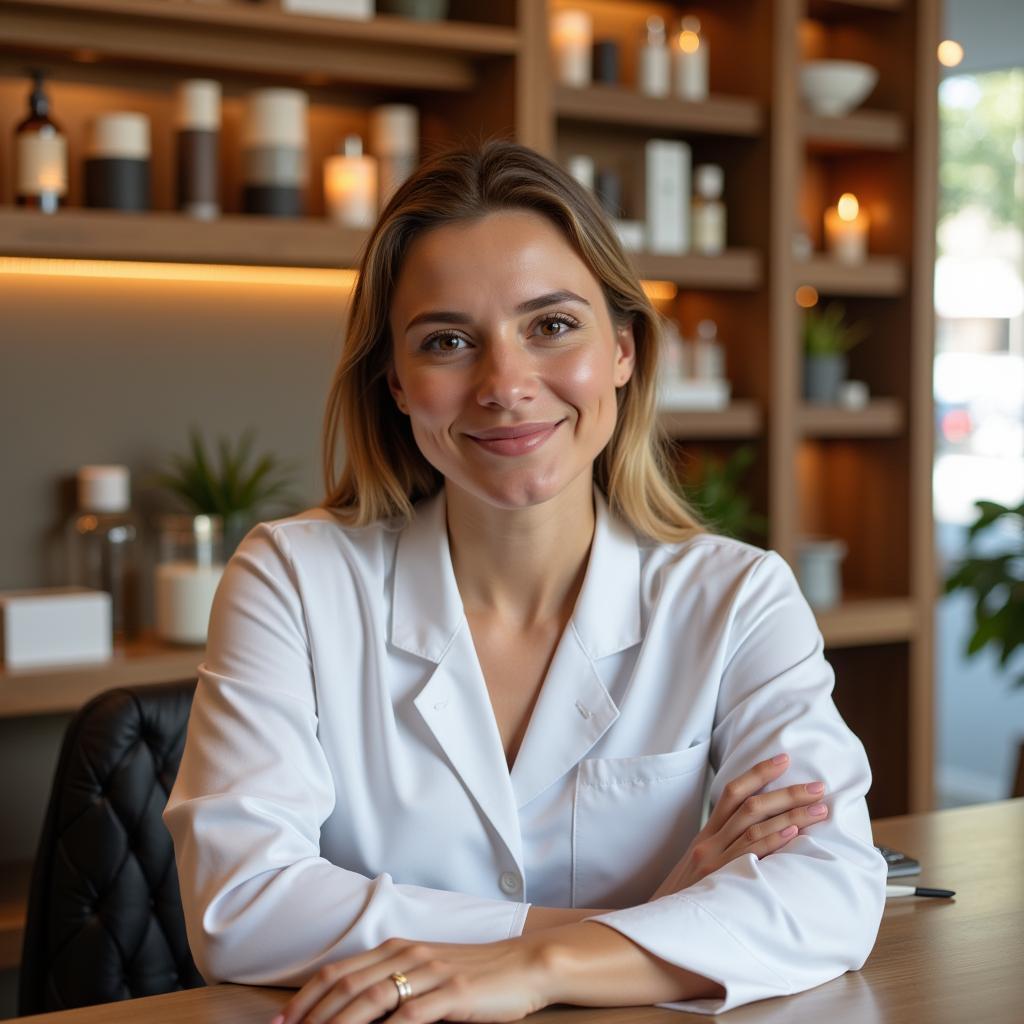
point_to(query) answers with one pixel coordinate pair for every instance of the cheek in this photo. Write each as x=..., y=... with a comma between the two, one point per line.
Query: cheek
x=429, y=397
x=588, y=376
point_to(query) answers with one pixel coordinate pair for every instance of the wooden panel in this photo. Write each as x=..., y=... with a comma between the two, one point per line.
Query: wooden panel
x=883, y=417
x=246, y=240
x=880, y=275
x=863, y=129
x=607, y=104
x=863, y=621
x=738, y=269
x=14, y=879
x=53, y=689
x=741, y=419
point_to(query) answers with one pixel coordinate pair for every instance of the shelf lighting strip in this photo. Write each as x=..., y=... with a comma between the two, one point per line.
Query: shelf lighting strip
x=306, y=277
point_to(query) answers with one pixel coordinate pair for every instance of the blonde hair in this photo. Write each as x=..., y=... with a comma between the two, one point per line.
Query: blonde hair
x=384, y=472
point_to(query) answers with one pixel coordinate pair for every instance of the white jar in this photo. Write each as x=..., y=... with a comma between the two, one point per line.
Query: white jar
x=819, y=570
x=191, y=562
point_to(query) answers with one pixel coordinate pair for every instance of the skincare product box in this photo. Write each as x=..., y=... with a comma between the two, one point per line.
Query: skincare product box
x=54, y=626
x=678, y=395
x=667, y=167
x=361, y=9
x=631, y=234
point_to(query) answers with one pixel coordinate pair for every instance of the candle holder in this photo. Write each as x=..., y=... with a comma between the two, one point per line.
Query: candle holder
x=189, y=567
x=846, y=230
x=572, y=36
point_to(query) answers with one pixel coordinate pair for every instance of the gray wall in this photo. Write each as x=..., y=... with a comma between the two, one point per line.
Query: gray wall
x=115, y=371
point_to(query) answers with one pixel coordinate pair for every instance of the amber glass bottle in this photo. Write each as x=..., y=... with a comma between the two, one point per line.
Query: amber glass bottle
x=40, y=155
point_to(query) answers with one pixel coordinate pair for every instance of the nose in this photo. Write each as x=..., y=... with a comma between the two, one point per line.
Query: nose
x=506, y=375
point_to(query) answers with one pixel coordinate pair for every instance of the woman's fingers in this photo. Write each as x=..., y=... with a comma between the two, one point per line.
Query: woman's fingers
x=743, y=786
x=761, y=808
x=770, y=828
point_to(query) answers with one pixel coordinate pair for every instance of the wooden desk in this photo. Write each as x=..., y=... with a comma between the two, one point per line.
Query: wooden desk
x=936, y=961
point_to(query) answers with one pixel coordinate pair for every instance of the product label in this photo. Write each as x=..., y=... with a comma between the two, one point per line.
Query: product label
x=42, y=163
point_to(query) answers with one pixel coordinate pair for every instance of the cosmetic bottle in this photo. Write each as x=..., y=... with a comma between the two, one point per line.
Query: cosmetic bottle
x=654, y=65
x=691, y=61
x=117, y=164
x=395, y=142
x=274, y=152
x=708, y=213
x=40, y=155
x=198, y=131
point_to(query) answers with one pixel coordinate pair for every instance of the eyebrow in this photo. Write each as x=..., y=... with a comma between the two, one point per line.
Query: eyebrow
x=449, y=316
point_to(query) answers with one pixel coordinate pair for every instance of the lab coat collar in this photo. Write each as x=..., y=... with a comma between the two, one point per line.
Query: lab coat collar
x=427, y=608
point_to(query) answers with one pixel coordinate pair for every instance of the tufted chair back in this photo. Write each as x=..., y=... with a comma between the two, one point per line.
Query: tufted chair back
x=104, y=913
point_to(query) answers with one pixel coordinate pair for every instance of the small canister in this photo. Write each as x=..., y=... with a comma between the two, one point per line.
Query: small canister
x=274, y=159
x=117, y=162
x=395, y=142
x=198, y=130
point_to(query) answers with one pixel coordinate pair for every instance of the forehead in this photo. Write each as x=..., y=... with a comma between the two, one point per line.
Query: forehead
x=507, y=256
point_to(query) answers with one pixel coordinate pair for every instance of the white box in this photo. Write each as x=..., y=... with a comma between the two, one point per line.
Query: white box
x=631, y=234
x=54, y=626
x=679, y=395
x=359, y=9
x=667, y=167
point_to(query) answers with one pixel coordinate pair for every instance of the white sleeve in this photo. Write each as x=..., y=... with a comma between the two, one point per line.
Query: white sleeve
x=262, y=906
x=811, y=911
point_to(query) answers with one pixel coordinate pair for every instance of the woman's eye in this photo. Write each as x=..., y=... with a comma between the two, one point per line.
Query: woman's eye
x=560, y=320
x=444, y=343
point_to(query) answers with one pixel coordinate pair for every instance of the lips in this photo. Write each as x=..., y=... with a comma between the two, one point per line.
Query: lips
x=515, y=440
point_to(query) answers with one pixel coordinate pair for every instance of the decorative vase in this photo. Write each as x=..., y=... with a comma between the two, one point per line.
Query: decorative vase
x=823, y=377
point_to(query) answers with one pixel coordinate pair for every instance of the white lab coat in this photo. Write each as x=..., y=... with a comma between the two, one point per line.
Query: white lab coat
x=344, y=781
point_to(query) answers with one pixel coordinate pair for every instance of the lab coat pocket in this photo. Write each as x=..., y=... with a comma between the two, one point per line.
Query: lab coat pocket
x=633, y=818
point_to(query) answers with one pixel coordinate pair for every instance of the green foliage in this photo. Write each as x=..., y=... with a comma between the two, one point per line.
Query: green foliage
x=997, y=582
x=236, y=484
x=980, y=145
x=716, y=494
x=826, y=333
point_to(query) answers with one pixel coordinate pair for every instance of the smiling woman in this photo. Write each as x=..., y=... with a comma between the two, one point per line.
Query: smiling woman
x=454, y=728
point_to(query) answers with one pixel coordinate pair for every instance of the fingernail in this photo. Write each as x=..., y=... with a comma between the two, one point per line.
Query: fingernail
x=780, y=758
x=815, y=787
x=789, y=832
x=817, y=810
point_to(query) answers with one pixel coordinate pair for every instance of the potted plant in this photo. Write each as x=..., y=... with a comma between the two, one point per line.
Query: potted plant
x=236, y=486
x=716, y=495
x=827, y=339
x=996, y=581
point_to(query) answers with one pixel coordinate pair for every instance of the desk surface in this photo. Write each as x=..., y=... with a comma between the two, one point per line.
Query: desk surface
x=944, y=962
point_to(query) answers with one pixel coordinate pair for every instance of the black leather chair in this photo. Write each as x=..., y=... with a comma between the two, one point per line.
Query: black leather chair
x=104, y=912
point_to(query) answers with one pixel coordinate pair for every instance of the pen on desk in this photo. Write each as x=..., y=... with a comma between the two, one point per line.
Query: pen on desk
x=911, y=890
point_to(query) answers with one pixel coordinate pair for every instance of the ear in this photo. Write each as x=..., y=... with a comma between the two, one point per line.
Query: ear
x=625, y=354
x=395, y=387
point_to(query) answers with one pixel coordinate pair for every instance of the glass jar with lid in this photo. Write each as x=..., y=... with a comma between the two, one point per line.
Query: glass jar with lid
x=190, y=562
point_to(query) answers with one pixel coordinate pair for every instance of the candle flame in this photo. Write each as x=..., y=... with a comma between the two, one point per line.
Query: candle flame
x=848, y=208
x=689, y=41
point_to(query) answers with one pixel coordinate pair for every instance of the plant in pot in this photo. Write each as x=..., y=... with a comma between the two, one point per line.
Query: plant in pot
x=236, y=486
x=827, y=338
x=715, y=492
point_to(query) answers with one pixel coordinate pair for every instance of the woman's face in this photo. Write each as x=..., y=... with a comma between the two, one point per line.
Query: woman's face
x=505, y=357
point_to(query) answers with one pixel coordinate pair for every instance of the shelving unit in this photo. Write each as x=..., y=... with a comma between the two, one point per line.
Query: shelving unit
x=861, y=475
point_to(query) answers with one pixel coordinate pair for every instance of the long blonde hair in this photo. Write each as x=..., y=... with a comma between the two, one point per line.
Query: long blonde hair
x=384, y=472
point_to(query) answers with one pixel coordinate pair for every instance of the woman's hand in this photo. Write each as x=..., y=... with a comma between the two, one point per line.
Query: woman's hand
x=492, y=981
x=745, y=820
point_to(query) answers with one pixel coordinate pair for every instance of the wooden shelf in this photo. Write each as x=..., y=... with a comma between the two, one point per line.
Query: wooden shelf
x=259, y=40
x=58, y=689
x=172, y=237
x=612, y=105
x=862, y=130
x=880, y=276
x=740, y=419
x=861, y=622
x=733, y=270
x=883, y=417
x=14, y=882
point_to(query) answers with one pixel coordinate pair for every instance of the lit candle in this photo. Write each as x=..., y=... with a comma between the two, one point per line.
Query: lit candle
x=350, y=185
x=572, y=38
x=691, y=61
x=846, y=230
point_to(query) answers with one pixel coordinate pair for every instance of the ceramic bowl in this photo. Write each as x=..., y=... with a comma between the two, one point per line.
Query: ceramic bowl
x=835, y=87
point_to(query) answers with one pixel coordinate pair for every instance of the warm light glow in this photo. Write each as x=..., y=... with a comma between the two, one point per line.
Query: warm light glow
x=342, y=280
x=848, y=207
x=571, y=28
x=806, y=296
x=689, y=41
x=950, y=52
x=85, y=56
x=660, y=291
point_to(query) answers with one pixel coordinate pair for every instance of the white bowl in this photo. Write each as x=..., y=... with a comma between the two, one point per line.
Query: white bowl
x=835, y=87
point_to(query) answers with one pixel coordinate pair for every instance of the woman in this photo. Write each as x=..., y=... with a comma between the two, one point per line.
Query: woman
x=448, y=750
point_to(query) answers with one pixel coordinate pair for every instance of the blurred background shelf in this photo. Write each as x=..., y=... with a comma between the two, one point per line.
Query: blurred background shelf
x=883, y=417
x=735, y=269
x=741, y=419
x=862, y=130
x=880, y=276
x=864, y=621
x=62, y=688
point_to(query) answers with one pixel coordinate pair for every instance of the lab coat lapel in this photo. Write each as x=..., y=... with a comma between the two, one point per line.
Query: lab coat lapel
x=574, y=709
x=428, y=620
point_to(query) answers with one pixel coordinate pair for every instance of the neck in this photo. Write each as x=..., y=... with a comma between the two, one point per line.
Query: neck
x=524, y=566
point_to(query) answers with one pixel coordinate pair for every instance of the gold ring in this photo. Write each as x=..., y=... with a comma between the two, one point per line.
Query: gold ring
x=403, y=986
